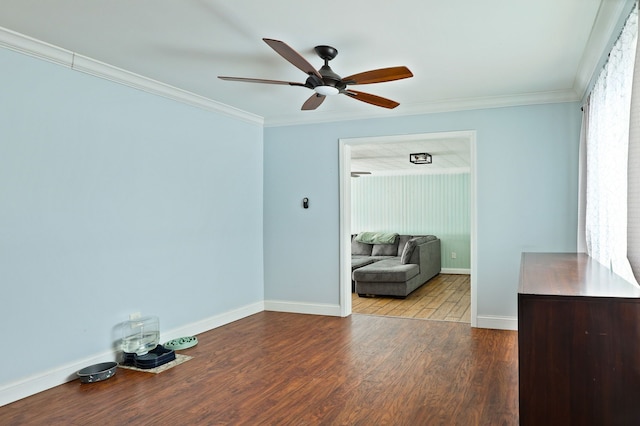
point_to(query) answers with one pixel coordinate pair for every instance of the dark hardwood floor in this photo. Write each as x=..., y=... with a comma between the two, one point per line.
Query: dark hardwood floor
x=290, y=369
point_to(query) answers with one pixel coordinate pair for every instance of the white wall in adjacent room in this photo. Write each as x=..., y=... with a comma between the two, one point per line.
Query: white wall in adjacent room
x=419, y=204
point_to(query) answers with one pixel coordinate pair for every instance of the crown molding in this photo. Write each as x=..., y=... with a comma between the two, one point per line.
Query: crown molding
x=100, y=69
x=559, y=96
x=36, y=48
x=45, y=51
x=29, y=46
x=604, y=33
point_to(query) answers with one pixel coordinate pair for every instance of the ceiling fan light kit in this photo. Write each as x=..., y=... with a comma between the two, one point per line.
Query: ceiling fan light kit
x=326, y=90
x=324, y=82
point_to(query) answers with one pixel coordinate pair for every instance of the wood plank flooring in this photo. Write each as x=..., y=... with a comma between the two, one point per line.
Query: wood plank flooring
x=445, y=297
x=291, y=369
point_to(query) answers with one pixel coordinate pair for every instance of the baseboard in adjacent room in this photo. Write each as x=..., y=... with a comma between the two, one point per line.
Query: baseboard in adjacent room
x=455, y=271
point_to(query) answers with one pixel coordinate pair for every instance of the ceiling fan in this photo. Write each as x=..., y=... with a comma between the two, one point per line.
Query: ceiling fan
x=324, y=82
x=358, y=174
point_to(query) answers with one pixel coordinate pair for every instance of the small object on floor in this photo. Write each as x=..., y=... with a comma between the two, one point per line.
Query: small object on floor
x=97, y=372
x=164, y=367
x=154, y=358
x=181, y=343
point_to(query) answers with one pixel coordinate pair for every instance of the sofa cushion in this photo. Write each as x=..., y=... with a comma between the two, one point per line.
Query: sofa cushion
x=359, y=261
x=385, y=249
x=361, y=249
x=409, y=248
x=389, y=270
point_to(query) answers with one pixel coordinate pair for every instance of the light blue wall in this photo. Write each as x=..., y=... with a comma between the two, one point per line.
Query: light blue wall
x=300, y=251
x=527, y=161
x=429, y=204
x=107, y=192
x=115, y=201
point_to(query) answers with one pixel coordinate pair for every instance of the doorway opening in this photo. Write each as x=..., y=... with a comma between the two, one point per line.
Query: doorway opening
x=377, y=155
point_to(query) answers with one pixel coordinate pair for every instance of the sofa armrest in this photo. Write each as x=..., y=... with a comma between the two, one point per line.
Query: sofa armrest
x=428, y=256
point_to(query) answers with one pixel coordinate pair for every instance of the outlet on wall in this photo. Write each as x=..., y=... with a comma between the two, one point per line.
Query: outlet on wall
x=454, y=255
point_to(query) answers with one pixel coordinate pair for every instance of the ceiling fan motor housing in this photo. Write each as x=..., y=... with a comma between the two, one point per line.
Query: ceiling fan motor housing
x=329, y=77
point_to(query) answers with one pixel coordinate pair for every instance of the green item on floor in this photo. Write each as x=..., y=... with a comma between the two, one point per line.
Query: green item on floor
x=181, y=343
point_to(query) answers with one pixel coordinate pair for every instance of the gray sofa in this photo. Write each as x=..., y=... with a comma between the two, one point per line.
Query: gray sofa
x=394, y=269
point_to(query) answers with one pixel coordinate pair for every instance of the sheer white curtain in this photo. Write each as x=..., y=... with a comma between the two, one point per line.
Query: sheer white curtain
x=582, y=179
x=633, y=182
x=607, y=141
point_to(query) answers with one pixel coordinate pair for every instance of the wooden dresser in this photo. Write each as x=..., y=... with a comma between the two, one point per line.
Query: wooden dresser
x=578, y=342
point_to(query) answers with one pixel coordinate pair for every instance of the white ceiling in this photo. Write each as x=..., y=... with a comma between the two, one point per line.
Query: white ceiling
x=463, y=53
x=450, y=154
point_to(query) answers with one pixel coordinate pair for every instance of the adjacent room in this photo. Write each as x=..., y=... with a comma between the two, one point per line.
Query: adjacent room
x=201, y=169
x=392, y=191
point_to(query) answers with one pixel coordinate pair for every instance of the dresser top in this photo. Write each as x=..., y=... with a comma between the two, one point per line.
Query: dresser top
x=571, y=274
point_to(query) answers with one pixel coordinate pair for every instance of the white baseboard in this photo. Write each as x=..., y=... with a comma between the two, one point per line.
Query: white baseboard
x=457, y=271
x=212, y=322
x=302, y=308
x=65, y=373
x=48, y=379
x=499, y=323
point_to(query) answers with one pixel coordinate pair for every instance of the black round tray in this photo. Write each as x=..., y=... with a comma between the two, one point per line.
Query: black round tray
x=152, y=359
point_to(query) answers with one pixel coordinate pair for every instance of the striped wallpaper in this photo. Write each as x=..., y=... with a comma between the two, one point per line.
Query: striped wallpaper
x=419, y=205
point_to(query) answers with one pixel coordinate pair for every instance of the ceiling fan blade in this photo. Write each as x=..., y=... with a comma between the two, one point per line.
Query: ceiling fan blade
x=313, y=102
x=371, y=99
x=287, y=52
x=260, y=80
x=379, y=76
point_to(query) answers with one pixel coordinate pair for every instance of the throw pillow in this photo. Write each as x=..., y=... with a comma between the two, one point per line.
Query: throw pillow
x=402, y=240
x=409, y=248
